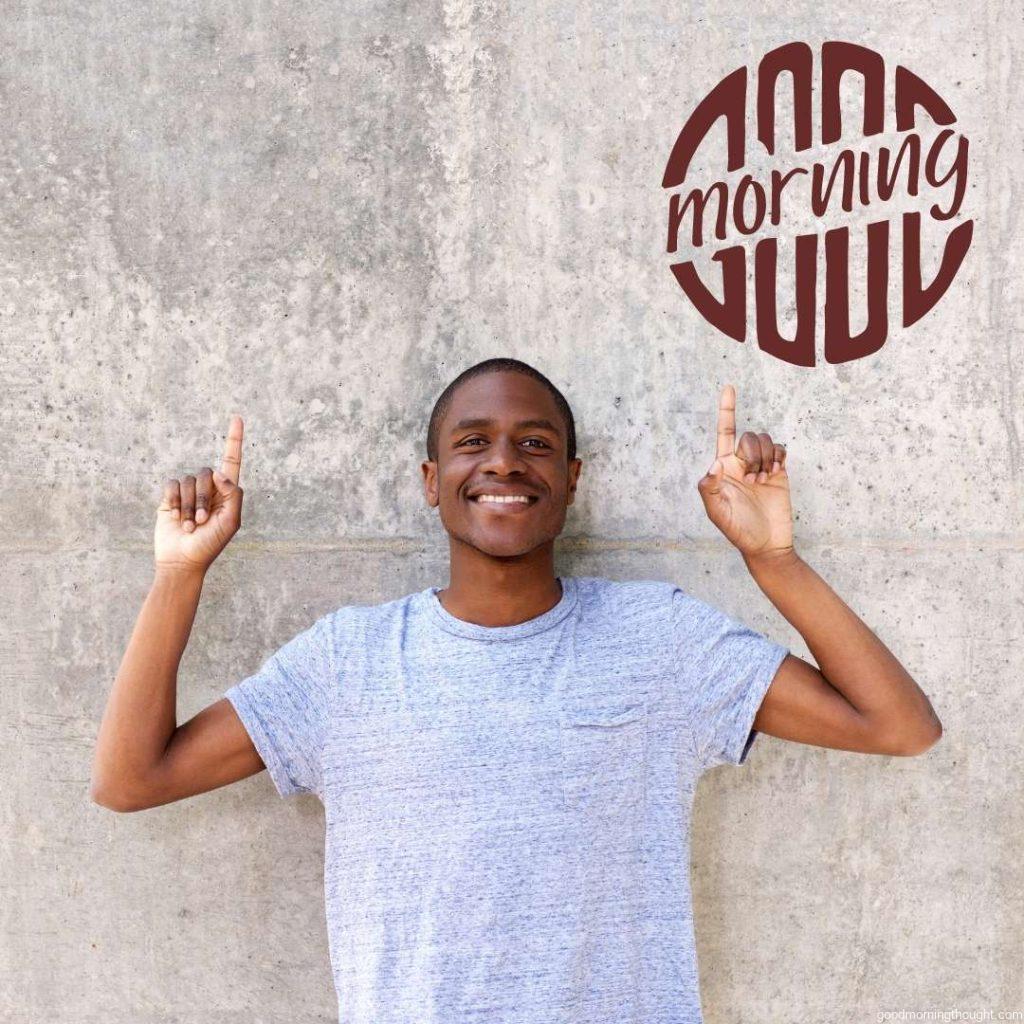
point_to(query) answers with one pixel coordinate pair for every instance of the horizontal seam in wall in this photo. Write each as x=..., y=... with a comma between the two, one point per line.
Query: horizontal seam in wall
x=399, y=545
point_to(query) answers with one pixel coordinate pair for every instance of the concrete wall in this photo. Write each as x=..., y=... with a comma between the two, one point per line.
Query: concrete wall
x=316, y=215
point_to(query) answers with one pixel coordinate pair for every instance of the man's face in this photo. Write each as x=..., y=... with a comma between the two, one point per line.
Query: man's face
x=502, y=438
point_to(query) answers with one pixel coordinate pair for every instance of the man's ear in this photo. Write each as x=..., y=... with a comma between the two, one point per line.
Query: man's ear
x=429, y=470
x=574, y=474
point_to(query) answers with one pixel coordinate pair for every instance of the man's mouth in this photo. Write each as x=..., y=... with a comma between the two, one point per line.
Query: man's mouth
x=503, y=499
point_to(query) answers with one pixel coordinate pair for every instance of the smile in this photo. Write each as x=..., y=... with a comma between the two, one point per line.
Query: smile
x=504, y=499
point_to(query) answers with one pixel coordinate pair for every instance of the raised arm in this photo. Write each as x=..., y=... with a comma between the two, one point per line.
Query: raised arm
x=143, y=757
x=860, y=698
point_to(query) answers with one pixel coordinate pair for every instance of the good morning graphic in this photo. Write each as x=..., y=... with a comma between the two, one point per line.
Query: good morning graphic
x=827, y=188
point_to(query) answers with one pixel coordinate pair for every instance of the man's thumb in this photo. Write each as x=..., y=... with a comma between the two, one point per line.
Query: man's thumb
x=712, y=481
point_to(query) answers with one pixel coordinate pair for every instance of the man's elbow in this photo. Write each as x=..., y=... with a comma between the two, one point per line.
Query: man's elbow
x=114, y=799
x=918, y=743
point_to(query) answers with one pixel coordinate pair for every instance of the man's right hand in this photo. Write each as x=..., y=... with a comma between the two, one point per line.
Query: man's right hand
x=199, y=514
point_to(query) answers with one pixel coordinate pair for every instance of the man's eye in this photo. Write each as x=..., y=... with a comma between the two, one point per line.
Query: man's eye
x=532, y=441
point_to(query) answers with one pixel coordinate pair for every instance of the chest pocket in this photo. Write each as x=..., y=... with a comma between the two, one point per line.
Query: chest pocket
x=604, y=762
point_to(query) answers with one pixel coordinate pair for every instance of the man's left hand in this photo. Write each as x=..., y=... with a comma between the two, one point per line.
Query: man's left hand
x=746, y=490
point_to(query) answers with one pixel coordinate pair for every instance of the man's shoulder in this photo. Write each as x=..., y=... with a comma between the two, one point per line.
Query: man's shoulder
x=624, y=590
x=625, y=598
x=364, y=619
x=380, y=609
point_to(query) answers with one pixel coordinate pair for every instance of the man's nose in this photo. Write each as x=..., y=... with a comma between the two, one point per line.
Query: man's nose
x=503, y=457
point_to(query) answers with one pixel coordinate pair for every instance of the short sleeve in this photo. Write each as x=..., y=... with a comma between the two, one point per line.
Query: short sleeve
x=284, y=706
x=723, y=671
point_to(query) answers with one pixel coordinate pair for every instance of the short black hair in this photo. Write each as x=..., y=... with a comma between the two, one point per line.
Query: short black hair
x=498, y=365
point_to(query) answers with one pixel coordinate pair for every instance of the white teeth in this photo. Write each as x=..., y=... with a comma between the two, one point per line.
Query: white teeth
x=503, y=497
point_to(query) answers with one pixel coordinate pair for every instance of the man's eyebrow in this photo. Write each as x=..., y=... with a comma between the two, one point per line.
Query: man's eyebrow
x=537, y=424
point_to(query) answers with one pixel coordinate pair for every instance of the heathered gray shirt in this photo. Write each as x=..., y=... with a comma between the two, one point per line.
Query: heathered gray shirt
x=508, y=808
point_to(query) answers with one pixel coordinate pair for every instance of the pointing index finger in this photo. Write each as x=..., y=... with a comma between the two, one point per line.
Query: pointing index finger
x=726, y=422
x=232, y=461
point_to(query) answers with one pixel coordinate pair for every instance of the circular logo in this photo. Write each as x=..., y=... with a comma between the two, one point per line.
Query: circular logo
x=836, y=211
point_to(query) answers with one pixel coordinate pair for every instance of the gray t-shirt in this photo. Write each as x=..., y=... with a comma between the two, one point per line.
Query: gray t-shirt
x=508, y=808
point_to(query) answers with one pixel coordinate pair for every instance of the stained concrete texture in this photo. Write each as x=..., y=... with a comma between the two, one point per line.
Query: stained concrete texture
x=316, y=215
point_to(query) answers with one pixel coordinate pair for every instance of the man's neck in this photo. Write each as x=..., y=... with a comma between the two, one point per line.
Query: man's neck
x=500, y=591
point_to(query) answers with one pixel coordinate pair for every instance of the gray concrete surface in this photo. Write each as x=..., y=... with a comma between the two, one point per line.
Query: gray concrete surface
x=316, y=215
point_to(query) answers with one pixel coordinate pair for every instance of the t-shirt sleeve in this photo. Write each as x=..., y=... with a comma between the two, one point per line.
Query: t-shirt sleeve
x=284, y=709
x=723, y=671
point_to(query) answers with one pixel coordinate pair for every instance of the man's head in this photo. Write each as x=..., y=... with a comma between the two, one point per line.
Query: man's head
x=501, y=458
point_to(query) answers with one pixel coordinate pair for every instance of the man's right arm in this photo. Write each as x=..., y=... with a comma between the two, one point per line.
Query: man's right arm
x=143, y=757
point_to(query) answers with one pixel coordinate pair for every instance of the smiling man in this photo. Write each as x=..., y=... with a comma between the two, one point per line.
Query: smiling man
x=508, y=764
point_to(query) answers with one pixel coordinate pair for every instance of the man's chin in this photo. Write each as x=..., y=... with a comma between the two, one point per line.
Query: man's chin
x=503, y=545
x=505, y=548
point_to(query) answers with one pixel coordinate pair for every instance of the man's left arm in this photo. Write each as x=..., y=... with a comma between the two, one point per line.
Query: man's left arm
x=861, y=698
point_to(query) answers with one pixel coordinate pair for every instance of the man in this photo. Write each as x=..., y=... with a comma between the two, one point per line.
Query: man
x=508, y=765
